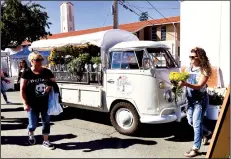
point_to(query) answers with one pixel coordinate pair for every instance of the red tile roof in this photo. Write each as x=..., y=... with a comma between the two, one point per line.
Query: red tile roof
x=131, y=27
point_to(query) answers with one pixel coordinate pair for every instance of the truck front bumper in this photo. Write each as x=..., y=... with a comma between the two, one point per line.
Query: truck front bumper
x=159, y=119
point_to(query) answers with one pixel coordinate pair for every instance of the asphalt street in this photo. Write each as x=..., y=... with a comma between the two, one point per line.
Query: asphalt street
x=82, y=133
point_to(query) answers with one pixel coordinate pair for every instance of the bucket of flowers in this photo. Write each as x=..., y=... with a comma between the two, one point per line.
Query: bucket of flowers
x=215, y=102
x=175, y=78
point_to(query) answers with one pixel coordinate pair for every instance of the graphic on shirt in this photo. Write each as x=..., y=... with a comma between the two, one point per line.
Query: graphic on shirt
x=194, y=78
x=40, y=89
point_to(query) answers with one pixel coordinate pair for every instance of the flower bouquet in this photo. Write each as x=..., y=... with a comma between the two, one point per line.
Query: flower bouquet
x=175, y=78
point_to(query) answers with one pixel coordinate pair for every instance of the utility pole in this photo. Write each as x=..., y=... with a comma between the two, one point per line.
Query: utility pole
x=115, y=14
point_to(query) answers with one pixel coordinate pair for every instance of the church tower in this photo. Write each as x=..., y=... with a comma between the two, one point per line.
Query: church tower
x=67, y=17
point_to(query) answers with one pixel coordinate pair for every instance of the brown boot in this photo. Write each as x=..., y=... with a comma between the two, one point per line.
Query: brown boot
x=192, y=153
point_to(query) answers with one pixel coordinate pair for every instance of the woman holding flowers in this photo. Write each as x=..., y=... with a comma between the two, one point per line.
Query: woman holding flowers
x=197, y=96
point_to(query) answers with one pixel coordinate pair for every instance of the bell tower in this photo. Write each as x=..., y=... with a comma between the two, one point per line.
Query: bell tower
x=67, y=17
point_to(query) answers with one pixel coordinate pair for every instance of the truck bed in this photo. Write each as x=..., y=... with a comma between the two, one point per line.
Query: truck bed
x=82, y=95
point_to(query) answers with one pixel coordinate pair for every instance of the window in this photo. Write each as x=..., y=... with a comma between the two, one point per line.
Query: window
x=163, y=33
x=140, y=56
x=70, y=14
x=178, y=51
x=154, y=35
x=123, y=60
x=115, y=60
x=129, y=60
x=70, y=28
x=161, y=58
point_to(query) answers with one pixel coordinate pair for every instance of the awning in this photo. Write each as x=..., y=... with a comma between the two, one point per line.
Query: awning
x=25, y=52
x=102, y=39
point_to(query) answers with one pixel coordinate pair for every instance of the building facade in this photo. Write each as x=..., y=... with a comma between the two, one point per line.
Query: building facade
x=206, y=24
x=67, y=17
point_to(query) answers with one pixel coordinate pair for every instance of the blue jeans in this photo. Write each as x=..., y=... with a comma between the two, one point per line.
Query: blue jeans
x=33, y=117
x=195, y=116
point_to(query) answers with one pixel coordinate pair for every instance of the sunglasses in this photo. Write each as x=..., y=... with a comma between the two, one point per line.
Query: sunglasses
x=38, y=60
x=193, y=57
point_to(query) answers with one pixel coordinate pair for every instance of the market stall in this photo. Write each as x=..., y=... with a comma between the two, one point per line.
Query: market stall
x=81, y=58
x=5, y=66
x=23, y=55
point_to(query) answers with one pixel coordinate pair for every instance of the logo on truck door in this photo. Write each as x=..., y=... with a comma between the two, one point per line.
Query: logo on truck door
x=124, y=85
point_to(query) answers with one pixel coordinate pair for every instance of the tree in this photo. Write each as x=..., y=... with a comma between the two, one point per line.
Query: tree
x=144, y=16
x=22, y=22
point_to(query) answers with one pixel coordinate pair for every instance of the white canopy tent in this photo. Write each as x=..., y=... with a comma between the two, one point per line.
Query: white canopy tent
x=6, y=68
x=103, y=39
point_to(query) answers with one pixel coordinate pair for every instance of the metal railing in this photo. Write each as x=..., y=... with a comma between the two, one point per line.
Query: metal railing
x=88, y=76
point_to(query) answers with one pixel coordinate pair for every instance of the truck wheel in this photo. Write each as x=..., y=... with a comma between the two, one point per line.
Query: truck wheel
x=124, y=118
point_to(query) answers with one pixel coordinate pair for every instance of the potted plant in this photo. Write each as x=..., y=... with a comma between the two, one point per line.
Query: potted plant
x=96, y=61
x=215, y=102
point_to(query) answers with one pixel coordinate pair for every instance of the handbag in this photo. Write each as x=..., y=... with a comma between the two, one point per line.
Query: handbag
x=54, y=107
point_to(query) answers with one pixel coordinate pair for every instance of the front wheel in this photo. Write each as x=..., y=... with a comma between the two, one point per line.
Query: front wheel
x=124, y=118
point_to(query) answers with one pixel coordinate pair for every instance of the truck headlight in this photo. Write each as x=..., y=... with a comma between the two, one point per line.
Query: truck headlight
x=162, y=85
x=169, y=96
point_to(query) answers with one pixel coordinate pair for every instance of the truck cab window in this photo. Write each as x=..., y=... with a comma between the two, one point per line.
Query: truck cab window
x=161, y=58
x=140, y=56
x=123, y=60
x=115, y=60
x=129, y=60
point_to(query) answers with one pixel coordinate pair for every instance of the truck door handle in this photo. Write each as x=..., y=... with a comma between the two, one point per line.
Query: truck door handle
x=111, y=81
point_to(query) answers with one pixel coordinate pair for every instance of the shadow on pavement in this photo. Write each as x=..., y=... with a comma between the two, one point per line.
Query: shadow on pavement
x=12, y=109
x=15, y=124
x=179, y=132
x=87, y=115
x=105, y=143
x=23, y=140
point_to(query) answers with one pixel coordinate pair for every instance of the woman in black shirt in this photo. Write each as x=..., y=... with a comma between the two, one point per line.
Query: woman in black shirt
x=36, y=83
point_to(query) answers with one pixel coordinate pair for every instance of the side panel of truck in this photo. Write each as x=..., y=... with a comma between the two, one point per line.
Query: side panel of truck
x=84, y=95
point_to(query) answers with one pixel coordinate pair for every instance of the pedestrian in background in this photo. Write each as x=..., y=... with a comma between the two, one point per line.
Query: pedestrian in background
x=22, y=66
x=197, y=96
x=36, y=83
x=2, y=87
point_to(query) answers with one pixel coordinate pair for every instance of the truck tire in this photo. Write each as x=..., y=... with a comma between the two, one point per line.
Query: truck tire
x=125, y=118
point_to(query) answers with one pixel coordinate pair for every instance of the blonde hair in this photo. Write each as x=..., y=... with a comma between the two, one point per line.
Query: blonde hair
x=32, y=55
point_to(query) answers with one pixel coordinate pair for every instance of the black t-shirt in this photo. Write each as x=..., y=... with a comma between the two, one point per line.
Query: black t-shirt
x=37, y=98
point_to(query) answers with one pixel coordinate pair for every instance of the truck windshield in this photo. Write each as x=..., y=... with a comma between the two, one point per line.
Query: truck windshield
x=126, y=59
x=161, y=58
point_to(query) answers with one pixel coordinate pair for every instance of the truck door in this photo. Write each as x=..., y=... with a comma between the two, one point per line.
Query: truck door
x=123, y=67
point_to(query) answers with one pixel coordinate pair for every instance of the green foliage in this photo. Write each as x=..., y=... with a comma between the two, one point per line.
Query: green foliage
x=75, y=66
x=96, y=60
x=85, y=58
x=84, y=52
x=215, y=98
x=22, y=22
x=143, y=16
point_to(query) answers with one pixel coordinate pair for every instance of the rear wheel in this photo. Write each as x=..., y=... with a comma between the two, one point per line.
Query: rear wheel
x=124, y=118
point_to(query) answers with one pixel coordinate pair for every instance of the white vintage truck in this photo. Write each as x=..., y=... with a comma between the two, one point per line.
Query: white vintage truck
x=135, y=87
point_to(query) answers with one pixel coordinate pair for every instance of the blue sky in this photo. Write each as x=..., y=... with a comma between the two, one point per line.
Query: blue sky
x=92, y=14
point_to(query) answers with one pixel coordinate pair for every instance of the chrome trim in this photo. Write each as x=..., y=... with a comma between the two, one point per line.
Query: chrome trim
x=172, y=108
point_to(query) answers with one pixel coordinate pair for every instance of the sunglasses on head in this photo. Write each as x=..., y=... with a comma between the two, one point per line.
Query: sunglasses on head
x=38, y=60
x=192, y=57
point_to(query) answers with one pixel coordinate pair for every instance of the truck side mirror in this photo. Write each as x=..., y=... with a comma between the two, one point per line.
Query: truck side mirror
x=179, y=64
x=146, y=63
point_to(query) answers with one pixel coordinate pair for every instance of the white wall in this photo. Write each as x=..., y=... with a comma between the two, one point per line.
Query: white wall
x=207, y=24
